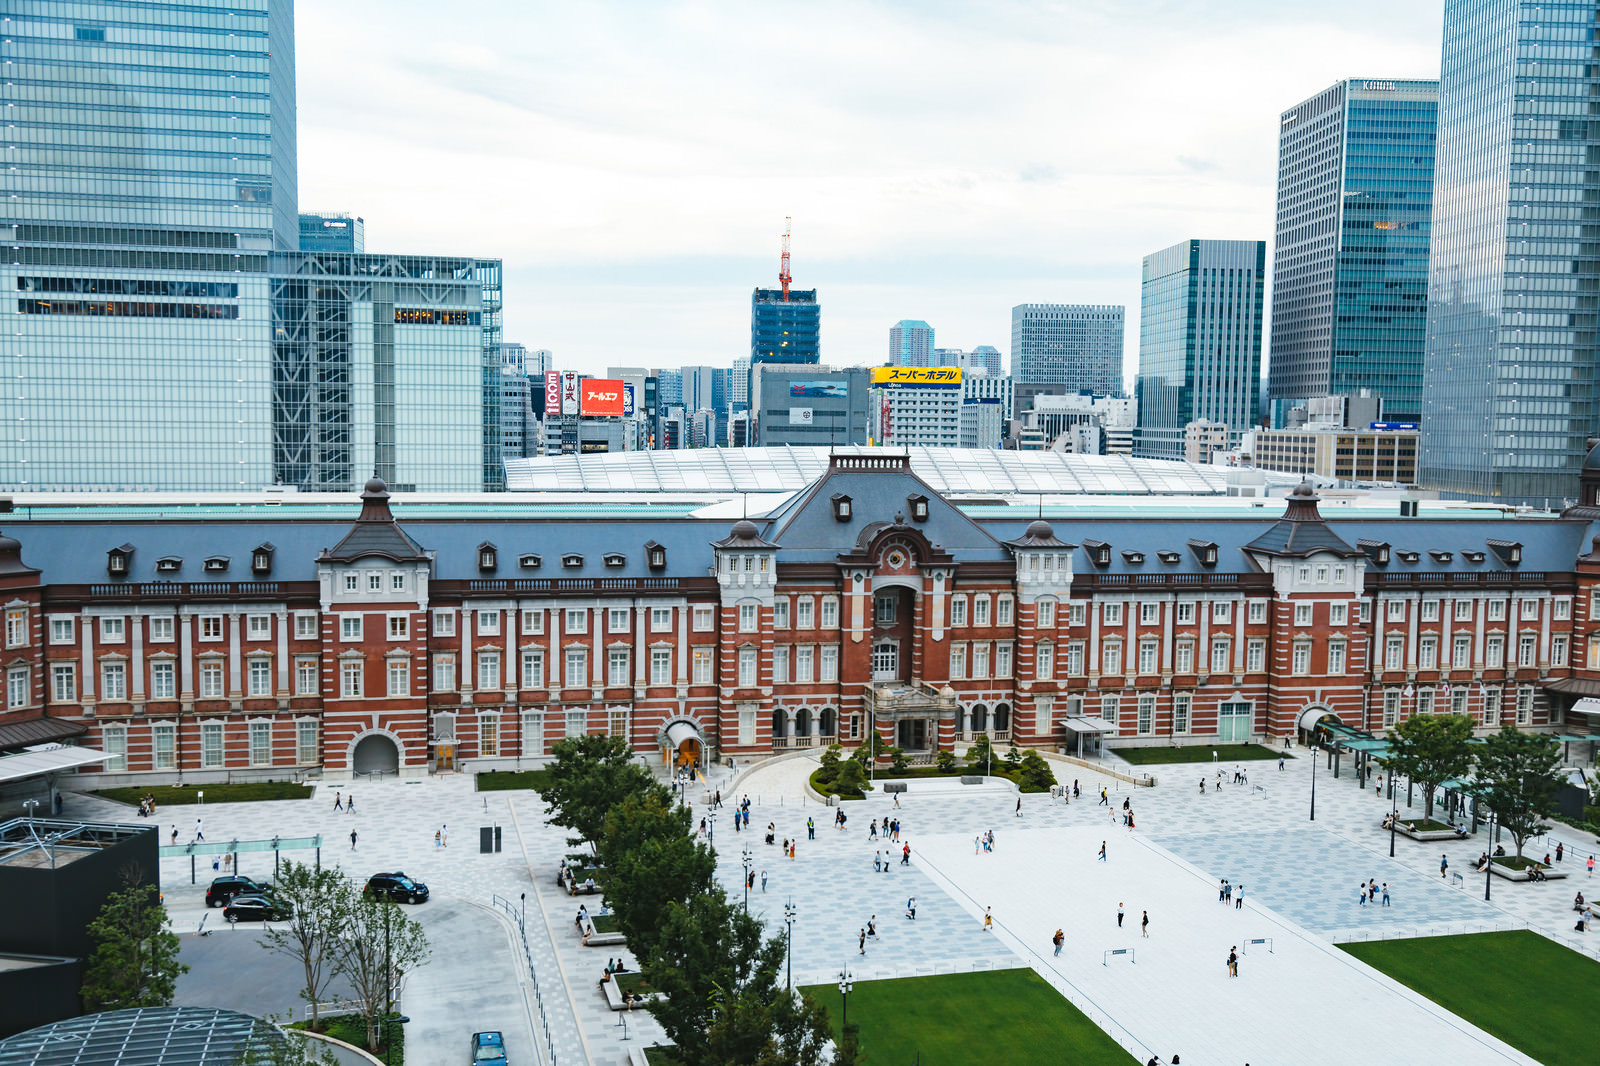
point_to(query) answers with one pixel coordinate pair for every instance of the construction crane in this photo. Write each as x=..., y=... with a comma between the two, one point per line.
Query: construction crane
x=784, y=277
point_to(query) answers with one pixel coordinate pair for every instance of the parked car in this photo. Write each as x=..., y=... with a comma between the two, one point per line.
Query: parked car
x=252, y=908
x=396, y=887
x=488, y=1048
x=224, y=889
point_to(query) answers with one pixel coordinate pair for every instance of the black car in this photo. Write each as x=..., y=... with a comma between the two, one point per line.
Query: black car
x=396, y=887
x=224, y=889
x=252, y=908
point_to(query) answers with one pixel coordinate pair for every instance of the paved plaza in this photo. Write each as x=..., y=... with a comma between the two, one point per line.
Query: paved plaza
x=1300, y=881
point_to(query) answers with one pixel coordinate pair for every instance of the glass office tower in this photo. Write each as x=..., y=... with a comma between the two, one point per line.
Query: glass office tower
x=785, y=331
x=1076, y=345
x=1511, y=358
x=1350, y=260
x=152, y=152
x=911, y=343
x=1199, y=341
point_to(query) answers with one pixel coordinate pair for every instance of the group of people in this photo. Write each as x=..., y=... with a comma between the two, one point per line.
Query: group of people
x=1368, y=892
x=147, y=805
x=889, y=828
x=983, y=842
x=1228, y=892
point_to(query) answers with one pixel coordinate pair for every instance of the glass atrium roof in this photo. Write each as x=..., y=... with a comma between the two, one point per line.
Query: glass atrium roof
x=947, y=470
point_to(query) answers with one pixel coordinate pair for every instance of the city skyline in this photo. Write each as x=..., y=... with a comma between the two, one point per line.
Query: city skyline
x=599, y=195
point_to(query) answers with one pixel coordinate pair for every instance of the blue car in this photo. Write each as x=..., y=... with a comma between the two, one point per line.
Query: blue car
x=488, y=1049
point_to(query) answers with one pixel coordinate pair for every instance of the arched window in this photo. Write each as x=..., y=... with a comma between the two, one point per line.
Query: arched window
x=802, y=722
x=829, y=719
x=1002, y=717
x=980, y=718
x=780, y=723
x=885, y=661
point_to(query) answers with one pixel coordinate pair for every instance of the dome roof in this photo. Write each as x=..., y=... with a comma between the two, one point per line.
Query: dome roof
x=744, y=529
x=1303, y=489
x=1039, y=529
x=375, y=486
x=1591, y=462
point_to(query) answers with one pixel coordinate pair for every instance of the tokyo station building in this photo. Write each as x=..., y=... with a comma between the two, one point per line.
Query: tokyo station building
x=275, y=638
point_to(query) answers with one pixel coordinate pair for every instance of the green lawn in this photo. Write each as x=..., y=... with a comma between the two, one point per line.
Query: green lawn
x=506, y=780
x=1226, y=753
x=993, y=1016
x=1528, y=991
x=177, y=795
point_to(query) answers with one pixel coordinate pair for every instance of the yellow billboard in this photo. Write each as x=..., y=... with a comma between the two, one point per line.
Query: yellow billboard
x=916, y=377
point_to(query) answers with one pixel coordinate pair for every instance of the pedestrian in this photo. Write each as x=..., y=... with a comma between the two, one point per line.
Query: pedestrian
x=1119, y=916
x=1019, y=806
x=792, y=843
x=1361, y=895
x=338, y=804
x=1144, y=924
x=444, y=836
x=199, y=830
x=911, y=908
x=1280, y=764
x=872, y=927
x=1444, y=865
x=897, y=801
x=1130, y=821
x=1238, y=899
x=1233, y=961
x=877, y=861
x=988, y=921
x=438, y=835
x=1102, y=851
x=905, y=856
x=861, y=941
x=1105, y=800
x=175, y=842
x=1386, y=893
x=1560, y=850
x=350, y=804
x=1202, y=786
x=1058, y=940
x=811, y=829
x=1591, y=862
x=750, y=880
x=1222, y=890
x=872, y=830
x=352, y=840
x=763, y=880
x=716, y=800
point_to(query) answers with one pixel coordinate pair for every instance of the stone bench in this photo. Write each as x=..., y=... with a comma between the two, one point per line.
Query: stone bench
x=1428, y=834
x=613, y=996
x=1502, y=871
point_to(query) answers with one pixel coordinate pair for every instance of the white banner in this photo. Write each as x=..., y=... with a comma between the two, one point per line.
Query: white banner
x=799, y=416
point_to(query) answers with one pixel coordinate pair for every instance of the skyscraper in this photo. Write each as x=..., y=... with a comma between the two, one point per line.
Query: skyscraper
x=1511, y=359
x=153, y=171
x=988, y=357
x=785, y=331
x=1076, y=345
x=1350, y=261
x=337, y=232
x=1199, y=341
x=910, y=343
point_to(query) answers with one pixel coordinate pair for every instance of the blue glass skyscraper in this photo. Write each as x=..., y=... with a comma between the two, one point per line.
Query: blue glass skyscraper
x=1350, y=261
x=1511, y=354
x=785, y=330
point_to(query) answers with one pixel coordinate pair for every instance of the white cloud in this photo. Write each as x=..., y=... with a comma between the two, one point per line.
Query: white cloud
x=633, y=163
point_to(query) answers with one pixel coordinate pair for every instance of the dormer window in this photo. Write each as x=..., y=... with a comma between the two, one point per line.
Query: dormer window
x=261, y=559
x=1440, y=556
x=1509, y=551
x=1473, y=557
x=615, y=560
x=572, y=561
x=1376, y=550
x=215, y=564
x=841, y=507
x=1099, y=552
x=529, y=561
x=1169, y=557
x=1205, y=551
x=918, y=507
x=488, y=557
x=170, y=565
x=1133, y=558
x=118, y=560
x=1408, y=556
x=655, y=555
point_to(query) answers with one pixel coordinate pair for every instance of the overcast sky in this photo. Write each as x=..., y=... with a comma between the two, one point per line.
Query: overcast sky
x=632, y=163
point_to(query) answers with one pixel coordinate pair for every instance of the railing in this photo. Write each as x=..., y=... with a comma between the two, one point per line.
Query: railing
x=517, y=916
x=573, y=584
x=175, y=590
x=1451, y=577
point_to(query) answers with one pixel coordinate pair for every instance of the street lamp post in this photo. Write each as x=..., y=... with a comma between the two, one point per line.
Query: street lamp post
x=1394, y=818
x=711, y=831
x=1314, y=755
x=845, y=985
x=1488, y=867
x=789, y=913
x=748, y=863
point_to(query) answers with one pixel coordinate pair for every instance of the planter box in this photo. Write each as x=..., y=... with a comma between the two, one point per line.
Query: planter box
x=614, y=996
x=1428, y=834
x=1500, y=870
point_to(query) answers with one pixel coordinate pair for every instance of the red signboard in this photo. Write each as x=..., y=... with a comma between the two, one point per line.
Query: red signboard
x=552, y=392
x=602, y=397
x=884, y=411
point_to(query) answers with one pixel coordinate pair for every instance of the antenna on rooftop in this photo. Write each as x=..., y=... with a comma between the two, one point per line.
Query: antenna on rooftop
x=784, y=277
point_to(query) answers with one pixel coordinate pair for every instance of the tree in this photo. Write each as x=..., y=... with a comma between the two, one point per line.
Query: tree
x=652, y=861
x=1431, y=749
x=871, y=747
x=1034, y=774
x=379, y=944
x=135, y=958
x=590, y=775
x=898, y=761
x=1517, y=775
x=848, y=1052
x=852, y=779
x=830, y=765
x=1013, y=759
x=322, y=901
x=768, y=1026
x=708, y=951
x=270, y=1045
x=979, y=755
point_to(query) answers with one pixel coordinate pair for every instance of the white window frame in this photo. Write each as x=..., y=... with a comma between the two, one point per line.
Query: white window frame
x=705, y=663
x=305, y=625
x=532, y=622
x=19, y=691
x=163, y=629
x=958, y=662
x=258, y=626
x=1004, y=611
x=350, y=628
x=487, y=623
x=258, y=676
x=212, y=746
x=260, y=743
x=1149, y=613
x=1300, y=662
x=661, y=619
x=1221, y=612
x=307, y=741
x=705, y=619
x=958, y=612
x=1338, y=614
x=114, y=681
x=575, y=621
x=1185, y=612
x=1221, y=655
x=1255, y=655
x=1302, y=614
x=213, y=682
x=397, y=676
x=113, y=629
x=749, y=617
x=16, y=627
x=618, y=668
x=307, y=676
x=1045, y=614
x=574, y=667
x=749, y=666
x=617, y=620
x=1183, y=657
x=114, y=742
x=532, y=668
x=350, y=679
x=830, y=613
x=1336, y=657
x=64, y=682
x=661, y=666
x=1111, y=615
x=399, y=627
x=805, y=613
x=61, y=631
x=444, y=623
x=1395, y=610
x=1044, y=661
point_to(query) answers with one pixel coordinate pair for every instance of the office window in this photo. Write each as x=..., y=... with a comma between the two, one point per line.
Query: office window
x=1111, y=615
x=488, y=736
x=1003, y=611
x=1221, y=612
x=1185, y=612
x=1497, y=610
x=804, y=613
x=1002, y=659
x=830, y=612
x=260, y=743
x=258, y=626
x=661, y=666
x=1561, y=609
x=958, y=662
x=661, y=619
x=617, y=619
x=1258, y=611
x=1111, y=658
x=980, y=661
x=1394, y=653
x=352, y=582
x=704, y=663
x=1077, y=612
x=350, y=679
x=211, y=744
x=1183, y=657
x=1458, y=701
x=305, y=676
x=533, y=733
x=488, y=623
x=1149, y=613
x=1044, y=661
x=705, y=619
x=113, y=681
x=747, y=667
x=1530, y=609
x=163, y=742
x=804, y=658
x=17, y=687
x=1396, y=610
x=1494, y=652
x=1524, y=705
x=1336, y=657
x=1301, y=662
x=532, y=623
x=113, y=630
x=1182, y=710
x=1220, y=650
x=1146, y=713
x=444, y=623
x=1527, y=649
x=748, y=617
x=1147, y=656
x=1424, y=701
x=617, y=722
x=1430, y=610
x=1461, y=653
x=399, y=627
x=958, y=611
x=1255, y=655
x=617, y=667
x=829, y=669
x=532, y=669
x=211, y=627
x=577, y=620
x=399, y=684
x=1109, y=706
x=1391, y=706
x=1428, y=653
x=1558, y=651
x=1463, y=610
x=577, y=668
x=1364, y=610
x=577, y=723
x=114, y=742
x=397, y=582
x=375, y=582
x=780, y=613
x=1075, y=659
x=211, y=680
x=1302, y=614
x=307, y=741
x=349, y=627
x=780, y=664
x=161, y=629
x=16, y=627
x=260, y=675
x=1491, y=706
x=1338, y=613
x=61, y=631
x=1045, y=611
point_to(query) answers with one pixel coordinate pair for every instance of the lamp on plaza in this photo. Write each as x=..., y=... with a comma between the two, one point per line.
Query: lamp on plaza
x=1394, y=814
x=845, y=985
x=789, y=913
x=1314, y=753
x=1488, y=866
x=711, y=828
x=748, y=864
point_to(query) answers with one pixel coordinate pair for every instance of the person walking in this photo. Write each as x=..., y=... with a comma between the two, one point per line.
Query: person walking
x=905, y=856
x=1386, y=893
x=792, y=844
x=1560, y=850
x=338, y=804
x=1238, y=898
x=1144, y=925
x=350, y=804
x=1119, y=915
x=1019, y=806
x=872, y=830
x=199, y=830
x=1444, y=865
x=444, y=836
x=763, y=880
x=1233, y=961
x=1280, y=764
x=1105, y=800
x=1591, y=866
x=872, y=927
x=175, y=838
x=352, y=840
x=861, y=941
x=877, y=861
x=1058, y=940
x=988, y=921
x=911, y=908
x=811, y=829
x=438, y=835
x=1361, y=895
x=1102, y=856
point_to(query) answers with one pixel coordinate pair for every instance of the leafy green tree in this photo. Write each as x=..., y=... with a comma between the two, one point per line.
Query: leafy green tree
x=590, y=775
x=322, y=900
x=768, y=1026
x=852, y=779
x=1034, y=773
x=979, y=755
x=1517, y=775
x=871, y=747
x=830, y=764
x=898, y=761
x=709, y=954
x=652, y=861
x=380, y=944
x=848, y=1052
x=1013, y=759
x=135, y=958
x=946, y=761
x=1431, y=749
